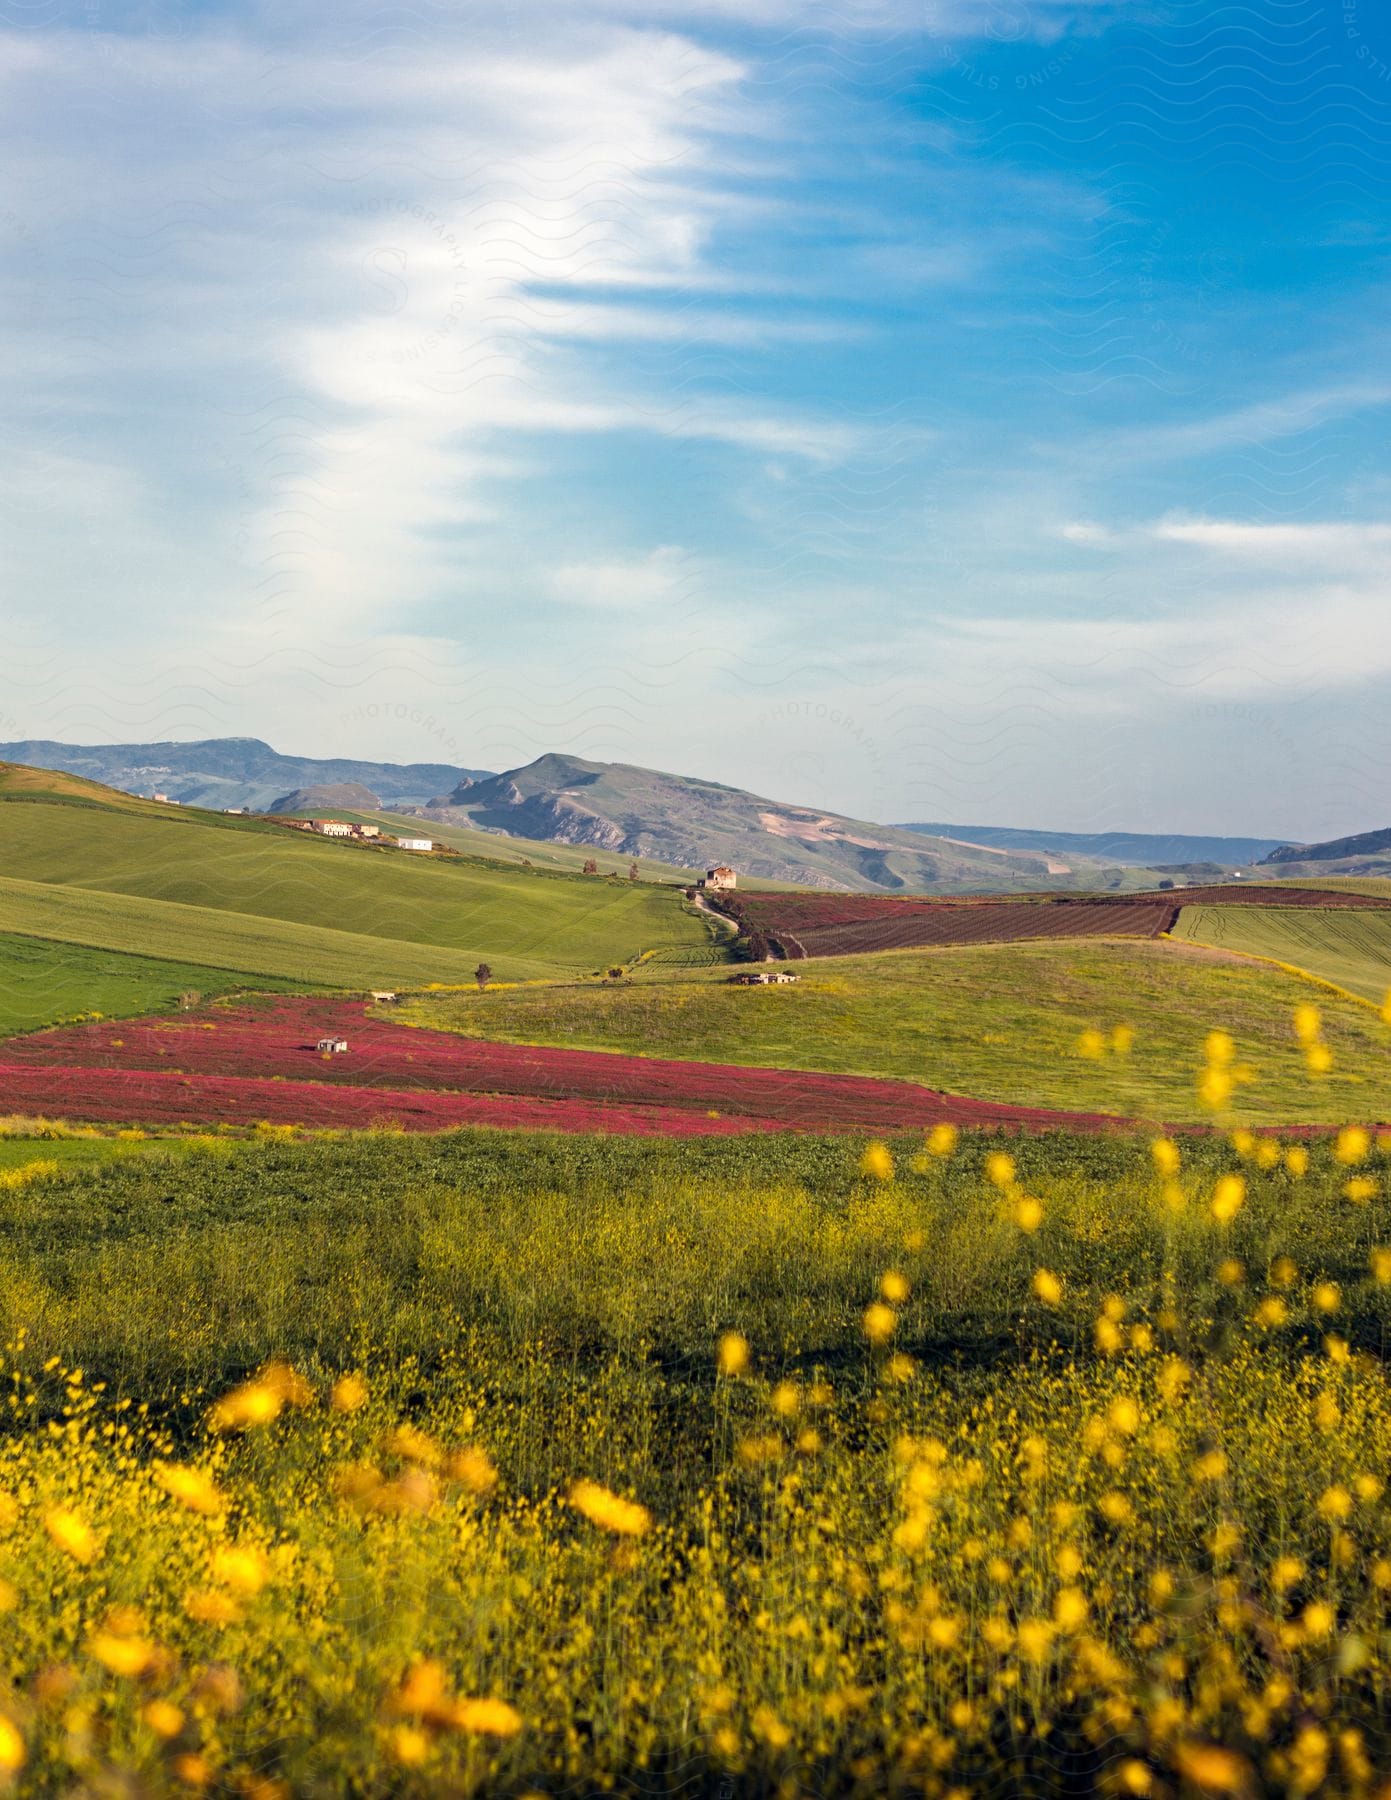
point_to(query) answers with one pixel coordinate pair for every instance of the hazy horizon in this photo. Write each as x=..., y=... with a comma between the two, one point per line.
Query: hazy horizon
x=973, y=409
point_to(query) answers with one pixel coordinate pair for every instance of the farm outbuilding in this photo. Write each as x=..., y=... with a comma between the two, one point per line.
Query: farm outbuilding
x=332, y=1046
x=331, y=827
x=415, y=843
x=721, y=876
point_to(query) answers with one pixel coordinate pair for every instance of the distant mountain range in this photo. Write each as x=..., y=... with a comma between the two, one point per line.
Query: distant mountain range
x=233, y=772
x=622, y=810
x=1129, y=849
x=627, y=811
x=1366, y=843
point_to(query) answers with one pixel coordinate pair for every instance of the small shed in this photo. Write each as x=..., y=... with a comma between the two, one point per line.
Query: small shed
x=332, y=1046
x=415, y=843
x=384, y=994
x=721, y=876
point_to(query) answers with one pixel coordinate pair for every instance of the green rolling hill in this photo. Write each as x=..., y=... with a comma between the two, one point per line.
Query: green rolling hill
x=997, y=1021
x=1351, y=949
x=86, y=866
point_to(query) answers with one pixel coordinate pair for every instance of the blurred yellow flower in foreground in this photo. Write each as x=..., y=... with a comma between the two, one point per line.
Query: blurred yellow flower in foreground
x=194, y=1488
x=1047, y=1287
x=879, y=1322
x=69, y=1532
x=625, y=1518
x=877, y=1162
x=12, y=1750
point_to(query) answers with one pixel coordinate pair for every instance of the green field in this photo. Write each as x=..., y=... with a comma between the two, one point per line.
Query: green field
x=999, y=1021
x=263, y=900
x=1351, y=949
x=240, y=941
x=45, y=983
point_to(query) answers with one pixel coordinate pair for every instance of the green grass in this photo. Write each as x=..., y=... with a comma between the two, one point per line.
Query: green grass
x=1001, y=1022
x=280, y=893
x=1351, y=949
x=45, y=983
x=183, y=1263
x=237, y=941
x=81, y=1152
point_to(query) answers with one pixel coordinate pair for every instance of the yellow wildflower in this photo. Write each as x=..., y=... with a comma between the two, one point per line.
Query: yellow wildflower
x=487, y=1718
x=253, y=1403
x=1212, y=1769
x=625, y=1518
x=1165, y=1153
x=192, y=1487
x=733, y=1354
x=12, y=1747
x=240, y=1566
x=1227, y=1198
x=122, y=1655
x=1047, y=1287
x=879, y=1322
x=348, y=1393
x=71, y=1534
x=877, y=1162
x=999, y=1169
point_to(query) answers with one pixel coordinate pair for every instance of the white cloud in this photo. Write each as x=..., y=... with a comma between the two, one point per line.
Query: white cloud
x=1336, y=544
x=665, y=576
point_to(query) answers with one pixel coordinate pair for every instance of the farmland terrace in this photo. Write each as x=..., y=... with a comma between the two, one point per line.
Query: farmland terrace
x=796, y=925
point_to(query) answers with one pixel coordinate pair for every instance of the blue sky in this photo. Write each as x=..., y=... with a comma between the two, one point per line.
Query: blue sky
x=968, y=410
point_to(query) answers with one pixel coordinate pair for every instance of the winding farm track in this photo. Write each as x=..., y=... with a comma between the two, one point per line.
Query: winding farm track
x=250, y=1063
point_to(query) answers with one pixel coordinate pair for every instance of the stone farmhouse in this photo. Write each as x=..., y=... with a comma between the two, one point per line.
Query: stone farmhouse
x=721, y=876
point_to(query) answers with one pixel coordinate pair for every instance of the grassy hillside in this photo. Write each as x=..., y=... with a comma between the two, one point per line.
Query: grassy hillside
x=239, y=941
x=1001, y=1021
x=1352, y=949
x=44, y=983
x=492, y=846
x=525, y=923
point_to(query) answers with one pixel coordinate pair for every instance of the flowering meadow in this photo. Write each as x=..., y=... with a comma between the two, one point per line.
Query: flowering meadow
x=241, y=1064
x=493, y=1463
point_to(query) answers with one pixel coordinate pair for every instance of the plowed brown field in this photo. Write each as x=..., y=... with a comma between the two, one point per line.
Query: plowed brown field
x=798, y=925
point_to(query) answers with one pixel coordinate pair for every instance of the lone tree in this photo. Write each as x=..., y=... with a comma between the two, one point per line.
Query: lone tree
x=482, y=975
x=632, y=871
x=615, y=974
x=591, y=867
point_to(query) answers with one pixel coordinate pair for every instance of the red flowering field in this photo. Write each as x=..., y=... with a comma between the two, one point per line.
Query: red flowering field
x=801, y=924
x=242, y=1064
